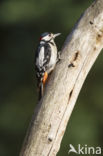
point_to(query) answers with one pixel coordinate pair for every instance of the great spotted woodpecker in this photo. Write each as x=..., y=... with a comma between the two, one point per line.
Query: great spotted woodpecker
x=46, y=58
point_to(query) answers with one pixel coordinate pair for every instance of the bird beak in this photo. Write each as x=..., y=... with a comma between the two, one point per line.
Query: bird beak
x=55, y=35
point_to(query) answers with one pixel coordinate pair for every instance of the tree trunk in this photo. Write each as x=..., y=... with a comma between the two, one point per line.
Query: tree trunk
x=79, y=52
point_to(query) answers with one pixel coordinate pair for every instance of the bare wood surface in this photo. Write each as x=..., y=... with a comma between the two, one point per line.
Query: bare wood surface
x=79, y=52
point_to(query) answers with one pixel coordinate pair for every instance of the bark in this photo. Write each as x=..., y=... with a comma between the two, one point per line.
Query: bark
x=79, y=53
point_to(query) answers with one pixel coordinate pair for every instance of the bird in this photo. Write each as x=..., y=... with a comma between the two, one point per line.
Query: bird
x=46, y=57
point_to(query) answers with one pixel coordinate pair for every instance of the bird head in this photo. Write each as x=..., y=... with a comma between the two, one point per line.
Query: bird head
x=48, y=36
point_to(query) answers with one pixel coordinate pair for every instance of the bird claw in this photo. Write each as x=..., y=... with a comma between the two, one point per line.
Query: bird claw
x=59, y=56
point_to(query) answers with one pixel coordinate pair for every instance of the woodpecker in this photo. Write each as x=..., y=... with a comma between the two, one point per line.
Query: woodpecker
x=46, y=57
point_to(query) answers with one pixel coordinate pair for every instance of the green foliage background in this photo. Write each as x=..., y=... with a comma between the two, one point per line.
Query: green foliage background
x=21, y=23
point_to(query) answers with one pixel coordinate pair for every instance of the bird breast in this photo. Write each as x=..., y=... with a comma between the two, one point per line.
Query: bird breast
x=53, y=55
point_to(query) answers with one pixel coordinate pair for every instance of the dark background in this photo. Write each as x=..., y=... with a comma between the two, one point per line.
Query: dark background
x=21, y=23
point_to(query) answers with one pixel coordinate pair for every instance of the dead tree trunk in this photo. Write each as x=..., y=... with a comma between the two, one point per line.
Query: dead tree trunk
x=79, y=52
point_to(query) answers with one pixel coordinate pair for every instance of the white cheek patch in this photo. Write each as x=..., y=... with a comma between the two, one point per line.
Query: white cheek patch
x=46, y=38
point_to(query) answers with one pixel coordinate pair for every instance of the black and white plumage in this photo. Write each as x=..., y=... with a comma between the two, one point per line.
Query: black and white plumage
x=46, y=57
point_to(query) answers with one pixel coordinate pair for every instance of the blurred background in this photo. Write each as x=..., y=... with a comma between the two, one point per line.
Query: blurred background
x=21, y=23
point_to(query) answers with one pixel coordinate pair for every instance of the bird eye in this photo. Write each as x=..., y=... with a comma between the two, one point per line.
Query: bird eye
x=49, y=35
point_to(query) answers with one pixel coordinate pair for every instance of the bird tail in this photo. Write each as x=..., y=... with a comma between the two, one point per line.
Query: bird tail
x=41, y=89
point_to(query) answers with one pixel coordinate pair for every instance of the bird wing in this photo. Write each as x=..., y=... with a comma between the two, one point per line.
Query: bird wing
x=42, y=55
x=47, y=54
